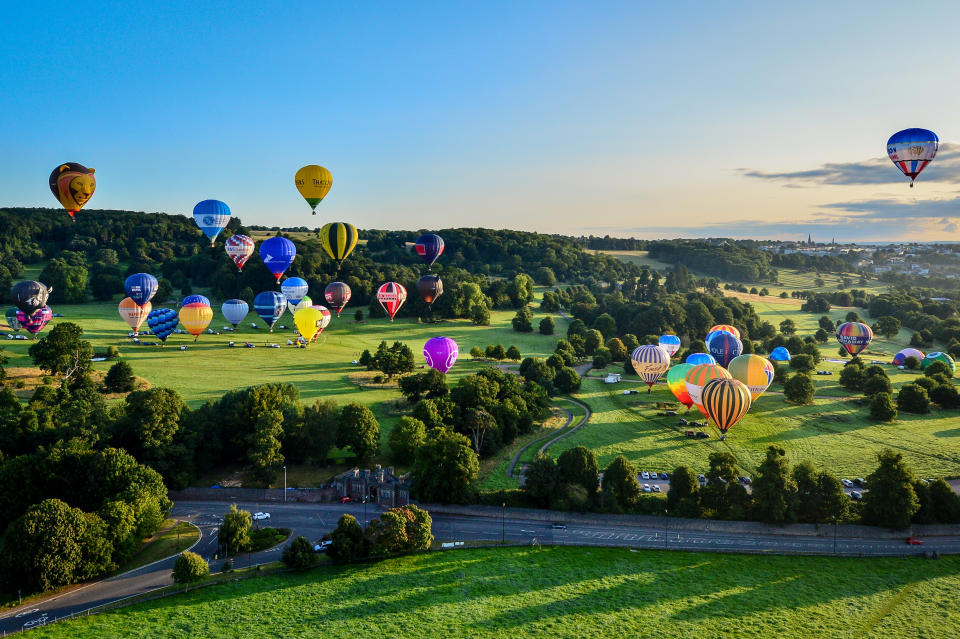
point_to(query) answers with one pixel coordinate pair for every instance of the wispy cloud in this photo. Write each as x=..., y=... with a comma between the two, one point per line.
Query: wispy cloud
x=945, y=168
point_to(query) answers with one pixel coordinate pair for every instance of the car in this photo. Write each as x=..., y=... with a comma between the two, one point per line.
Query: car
x=183, y=348
x=645, y=475
x=57, y=315
x=23, y=337
x=846, y=482
x=321, y=546
x=701, y=479
x=690, y=434
x=671, y=413
x=856, y=495
x=228, y=328
x=260, y=516
x=647, y=489
x=703, y=435
x=274, y=346
x=745, y=479
x=860, y=481
x=656, y=488
x=254, y=326
x=654, y=476
x=282, y=327
x=231, y=344
x=249, y=345
x=346, y=499
x=665, y=476
x=681, y=422
x=913, y=541
x=558, y=525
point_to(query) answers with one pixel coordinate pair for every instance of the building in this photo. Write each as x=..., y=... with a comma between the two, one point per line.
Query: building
x=381, y=486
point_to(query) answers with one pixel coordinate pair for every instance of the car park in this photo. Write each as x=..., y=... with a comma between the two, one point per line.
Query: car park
x=557, y=525
x=261, y=516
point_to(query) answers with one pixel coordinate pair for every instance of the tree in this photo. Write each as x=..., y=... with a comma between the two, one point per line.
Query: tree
x=523, y=320
x=723, y=470
x=445, y=468
x=877, y=384
x=788, y=327
x=431, y=383
x=69, y=281
x=406, y=437
x=234, y=532
x=601, y=357
x=359, y=430
x=774, y=492
x=891, y=500
x=802, y=362
x=520, y=290
x=394, y=360
x=946, y=396
x=476, y=352
x=618, y=351
x=263, y=443
x=799, y=389
x=478, y=423
x=944, y=503
x=936, y=368
x=358, y=316
x=151, y=421
x=606, y=325
x=299, y=554
x=594, y=340
x=513, y=354
x=545, y=276
x=120, y=378
x=499, y=353
x=913, y=398
x=317, y=434
x=541, y=480
x=348, y=542
x=44, y=547
x=62, y=352
x=882, y=408
x=912, y=363
x=567, y=380
x=851, y=317
x=852, y=377
x=480, y=315
x=620, y=487
x=547, y=326
x=579, y=466
x=683, y=498
x=826, y=324
x=888, y=326
x=190, y=568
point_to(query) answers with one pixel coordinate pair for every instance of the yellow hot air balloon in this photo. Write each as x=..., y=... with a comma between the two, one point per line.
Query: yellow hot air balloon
x=196, y=318
x=338, y=239
x=314, y=182
x=308, y=321
x=133, y=314
x=726, y=401
x=754, y=371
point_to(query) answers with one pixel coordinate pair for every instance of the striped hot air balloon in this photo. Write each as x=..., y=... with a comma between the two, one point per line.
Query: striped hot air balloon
x=698, y=377
x=338, y=239
x=726, y=401
x=724, y=347
x=269, y=305
x=134, y=314
x=239, y=248
x=676, y=382
x=650, y=361
x=733, y=330
x=326, y=316
x=35, y=322
x=391, y=296
x=670, y=343
x=754, y=371
x=196, y=318
x=854, y=336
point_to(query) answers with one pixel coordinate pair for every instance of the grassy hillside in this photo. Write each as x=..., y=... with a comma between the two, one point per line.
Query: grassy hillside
x=562, y=592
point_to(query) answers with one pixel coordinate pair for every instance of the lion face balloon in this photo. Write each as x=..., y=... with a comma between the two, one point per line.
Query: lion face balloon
x=73, y=185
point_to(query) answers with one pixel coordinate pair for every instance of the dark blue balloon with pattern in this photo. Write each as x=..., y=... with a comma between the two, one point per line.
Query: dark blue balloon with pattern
x=162, y=322
x=141, y=287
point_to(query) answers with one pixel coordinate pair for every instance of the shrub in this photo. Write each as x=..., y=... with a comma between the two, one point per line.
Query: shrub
x=120, y=378
x=913, y=398
x=189, y=568
x=937, y=367
x=799, y=389
x=513, y=353
x=802, y=362
x=911, y=363
x=547, y=326
x=882, y=408
x=877, y=384
x=299, y=555
x=946, y=396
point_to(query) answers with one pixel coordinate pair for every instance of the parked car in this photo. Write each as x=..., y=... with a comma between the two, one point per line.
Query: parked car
x=690, y=433
x=645, y=475
x=558, y=525
x=260, y=516
x=856, y=495
x=860, y=481
x=346, y=499
x=656, y=488
x=701, y=479
x=703, y=435
x=665, y=476
x=745, y=479
x=913, y=541
x=321, y=546
x=671, y=413
x=647, y=489
x=682, y=422
x=846, y=482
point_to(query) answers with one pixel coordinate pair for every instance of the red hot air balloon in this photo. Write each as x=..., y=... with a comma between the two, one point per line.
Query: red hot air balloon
x=391, y=297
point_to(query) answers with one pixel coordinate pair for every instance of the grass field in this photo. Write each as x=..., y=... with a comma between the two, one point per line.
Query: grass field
x=173, y=537
x=562, y=592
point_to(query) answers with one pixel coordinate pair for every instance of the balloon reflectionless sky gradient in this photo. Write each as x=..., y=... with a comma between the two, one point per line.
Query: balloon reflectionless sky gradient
x=637, y=118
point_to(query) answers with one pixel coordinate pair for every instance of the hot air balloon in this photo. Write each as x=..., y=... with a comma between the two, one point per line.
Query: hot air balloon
x=338, y=239
x=314, y=182
x=195, y=299
x=724, y=327
x=724, y=347
x=938, y=357
x=239, y=248
x=726, y=401
x=902, y=356
x=677, y=383
x=212, y=216
x=325, y=319
x=308, y=321
x=269, y=305
x=30, y=297
x=12, y=320
x=854, y=336
x=162, y=322
x=754, y=371
x=650, y=361
x=294, y=288
x=277, y=254
x=134, y=314
x=234, y=311
x=196, y=318
x=73, y=185
x=670, y=343
x=780, y=354
x=35, y=323
x=337, y=295
x=441, y=353
x=429, y=247
x=305, y=302
x=911, y=150
x=430, y=288
x=697, y=378
x=712, y=334
x=700, y=358
x=140, y=287
x=391, y=297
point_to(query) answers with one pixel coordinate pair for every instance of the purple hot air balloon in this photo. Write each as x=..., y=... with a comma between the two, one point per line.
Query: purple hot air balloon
x=441, y=353
x=35, y=323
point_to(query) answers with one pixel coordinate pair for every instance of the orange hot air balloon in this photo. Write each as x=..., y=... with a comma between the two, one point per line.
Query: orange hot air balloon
x=73, y=185
x=133, y=314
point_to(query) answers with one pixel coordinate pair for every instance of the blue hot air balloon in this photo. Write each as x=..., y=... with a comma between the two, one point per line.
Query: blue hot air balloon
x=294, y=288
x=700, y=358
x=140, y=287
x=724, y=346
x=277, y=254
x=195, y=299
x=212, y=216
x=429, y=247
x=234, y=311
x=779, y=354
x=911, y=150
x=713, y=334
x=670, y=343
x=162, y=321
x=269, y=305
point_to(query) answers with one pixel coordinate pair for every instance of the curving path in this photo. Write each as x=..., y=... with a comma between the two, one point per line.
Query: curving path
x=551, y=437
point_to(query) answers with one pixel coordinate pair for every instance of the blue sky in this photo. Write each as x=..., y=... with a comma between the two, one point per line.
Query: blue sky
x=635, y=118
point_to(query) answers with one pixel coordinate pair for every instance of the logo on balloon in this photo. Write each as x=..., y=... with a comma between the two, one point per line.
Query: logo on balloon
x=208, y=220
x=916, y=150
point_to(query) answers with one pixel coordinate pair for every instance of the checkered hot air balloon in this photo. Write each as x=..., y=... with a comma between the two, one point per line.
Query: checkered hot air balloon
x=854, y=336
x=650, y=361
x=391, y=296
x=698, y=377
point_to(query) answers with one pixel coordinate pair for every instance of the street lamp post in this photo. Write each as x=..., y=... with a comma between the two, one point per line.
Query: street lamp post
x=284, y=484
x=835, y=535
x=666, y=522
x=503, y=529
x=364, y=500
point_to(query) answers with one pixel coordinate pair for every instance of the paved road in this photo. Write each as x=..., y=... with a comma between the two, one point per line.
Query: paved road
x=314, y=520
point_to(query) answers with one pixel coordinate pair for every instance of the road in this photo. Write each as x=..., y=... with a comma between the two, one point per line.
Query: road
x=314, y=520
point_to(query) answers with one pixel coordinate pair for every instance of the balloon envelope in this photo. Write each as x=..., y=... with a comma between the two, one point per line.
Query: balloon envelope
x=308, y=320
x=650, y=361
x=429, y=247
x=854, y=336
x=314, y=182
x=196, y=318
x=73, y=185
x=938, y=357
x=195, y=299
x=677, y=383
x=780, y=354
x=698, y=376
x=35, y=323
x=902, y=356
x=700, y=358
x=30, y=297
x=430, y=288
x=269, y=305
x=391, y=296
x=234, y=311
x=338, y=239
x=212, y=216
x=754, y=371
x=337, y=295
x=239, y=248
x=670, y=343
x=162, y=322
x=911, y=150
x=725, y=327
x=441, y=353
x=325, y=319
x=305, y=302
x=724, y=347
x=134, y=314
x=726, y=401
x=277, y=254
x=294, y=288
